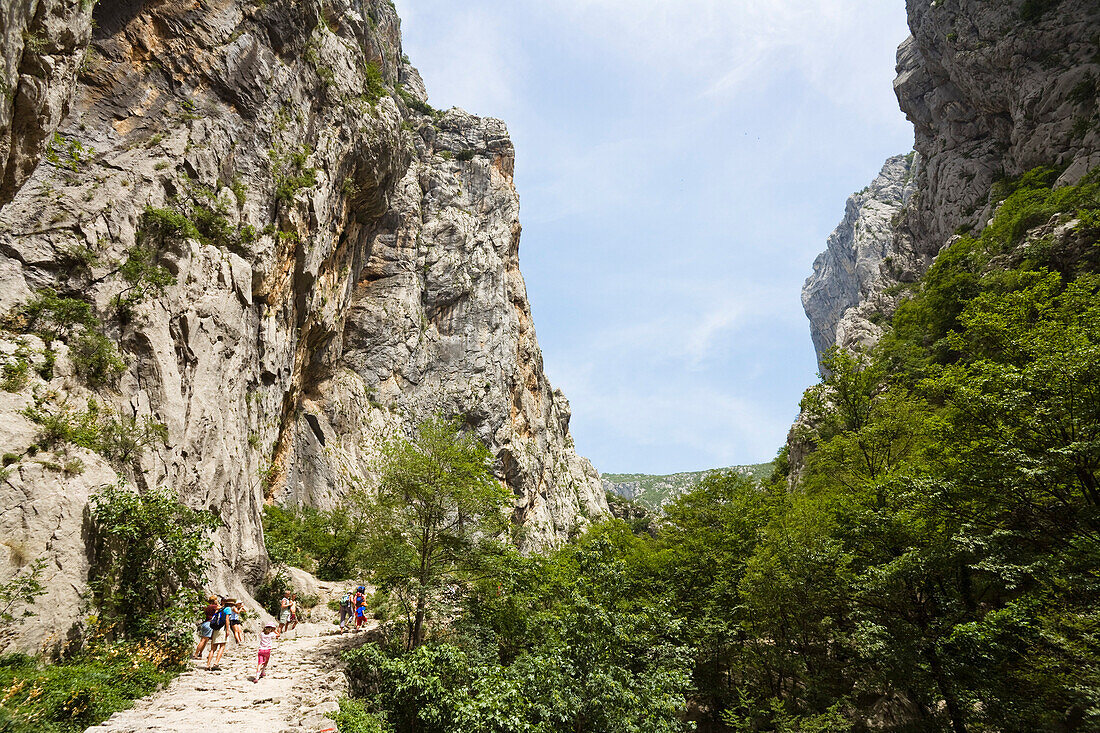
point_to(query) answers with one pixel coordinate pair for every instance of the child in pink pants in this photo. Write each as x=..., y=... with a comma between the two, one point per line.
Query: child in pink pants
x=267, y=641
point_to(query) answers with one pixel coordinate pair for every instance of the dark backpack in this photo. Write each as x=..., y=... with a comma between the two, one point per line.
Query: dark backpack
x=218, y=622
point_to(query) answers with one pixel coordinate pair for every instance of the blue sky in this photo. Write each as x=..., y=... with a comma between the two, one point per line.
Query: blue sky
x=679, y=165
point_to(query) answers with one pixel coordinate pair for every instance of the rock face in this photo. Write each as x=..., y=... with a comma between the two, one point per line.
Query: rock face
x=42, y=45
x=841, y=295
x=994, y=89
x=344, y=264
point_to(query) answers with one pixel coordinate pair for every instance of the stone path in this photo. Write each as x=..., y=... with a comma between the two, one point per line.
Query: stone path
x=303, y=682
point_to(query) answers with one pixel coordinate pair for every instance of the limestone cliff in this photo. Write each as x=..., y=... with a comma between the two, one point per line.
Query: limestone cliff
x=340, y=261
x=845, y=292
x=993, y=90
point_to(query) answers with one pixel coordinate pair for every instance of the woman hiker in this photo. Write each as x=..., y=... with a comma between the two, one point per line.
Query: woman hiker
x=284, y=611
x=204, y=628
x=219, y=625
x=234, y=607
x=345, y=610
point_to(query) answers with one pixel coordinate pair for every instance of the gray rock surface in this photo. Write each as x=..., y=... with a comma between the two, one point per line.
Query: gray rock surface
x=352, y=269
x=859, y=261
x=994, y=89
x=42, y=47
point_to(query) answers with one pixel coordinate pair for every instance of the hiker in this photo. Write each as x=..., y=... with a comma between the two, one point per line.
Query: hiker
x=360, y=607
x=293, y=611
x=204, y=628
x=218, y=624
x=284, y=611
x=267, y=640
x=345, y=610
x=234, y=607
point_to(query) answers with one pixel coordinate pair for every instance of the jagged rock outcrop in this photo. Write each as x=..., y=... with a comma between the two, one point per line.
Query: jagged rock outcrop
x=344, y=264
x=994, y=89
x=42, y=46
x=843, y=294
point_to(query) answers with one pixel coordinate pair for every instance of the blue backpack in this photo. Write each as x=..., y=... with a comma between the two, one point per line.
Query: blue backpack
x=218, y=622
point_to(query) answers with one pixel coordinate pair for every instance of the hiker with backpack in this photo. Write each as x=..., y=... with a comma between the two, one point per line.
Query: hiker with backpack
x=219, y=625
x=345, y=610
x=360, y=607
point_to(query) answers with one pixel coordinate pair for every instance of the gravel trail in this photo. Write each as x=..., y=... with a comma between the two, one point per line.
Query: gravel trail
x=303, y=682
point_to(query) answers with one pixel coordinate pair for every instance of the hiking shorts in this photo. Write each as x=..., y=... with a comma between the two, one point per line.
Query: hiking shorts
x=204, y=630
x=284, y=617
x=218, y=637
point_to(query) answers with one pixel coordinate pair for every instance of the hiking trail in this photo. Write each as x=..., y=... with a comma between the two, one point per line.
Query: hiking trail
x=302, y=684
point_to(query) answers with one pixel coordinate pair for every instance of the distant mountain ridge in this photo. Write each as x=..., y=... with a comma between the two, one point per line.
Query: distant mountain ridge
x=656, y=491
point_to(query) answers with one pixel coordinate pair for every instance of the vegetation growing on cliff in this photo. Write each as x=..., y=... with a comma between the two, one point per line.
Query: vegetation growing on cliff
x=934, y=569
x=148, y=564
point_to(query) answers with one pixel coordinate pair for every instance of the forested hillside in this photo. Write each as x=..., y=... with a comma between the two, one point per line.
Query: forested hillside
x=653, y=492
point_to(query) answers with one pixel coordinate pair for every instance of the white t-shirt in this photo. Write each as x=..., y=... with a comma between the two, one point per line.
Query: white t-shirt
x=267, y=640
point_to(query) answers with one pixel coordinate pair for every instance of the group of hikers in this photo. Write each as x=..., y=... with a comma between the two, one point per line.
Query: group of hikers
x=222, y=620
x=221, y=617
x=353, y=605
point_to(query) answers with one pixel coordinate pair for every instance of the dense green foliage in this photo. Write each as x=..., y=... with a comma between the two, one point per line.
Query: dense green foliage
x=69, y=696
x=148, y=560
x=327, y=543
x=148, y=563
x=935, y=567
x=544, y=644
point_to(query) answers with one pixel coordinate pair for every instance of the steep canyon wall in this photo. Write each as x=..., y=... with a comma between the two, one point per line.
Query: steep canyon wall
x=343, y=262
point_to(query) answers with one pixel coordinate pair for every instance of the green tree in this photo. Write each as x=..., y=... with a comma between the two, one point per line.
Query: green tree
x=328, y=542
x=436, y=514
x=149, y=556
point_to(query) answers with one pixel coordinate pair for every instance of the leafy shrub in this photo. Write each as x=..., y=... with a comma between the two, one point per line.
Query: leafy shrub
x=22, y=589
x=270, y=592
x=292, y=174
x=545, y=644
x=17, y=371
x=68, y=152
x=81, y=691
x=53, y=316
x=325, y=542
x=149, y=562
x=355, y=718
x=143, y=277
x=119, y=438
x=96, y=360
x=415, y=104
x=374, y=84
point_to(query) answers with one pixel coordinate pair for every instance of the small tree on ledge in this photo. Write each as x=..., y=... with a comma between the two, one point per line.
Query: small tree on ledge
x=435, y=516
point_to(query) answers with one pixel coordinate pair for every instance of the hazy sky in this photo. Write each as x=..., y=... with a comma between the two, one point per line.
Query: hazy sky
x=679, y=165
